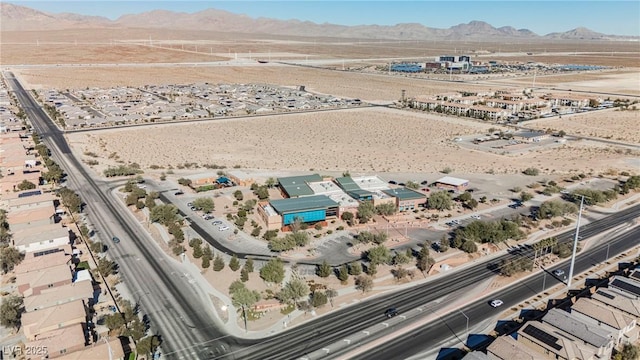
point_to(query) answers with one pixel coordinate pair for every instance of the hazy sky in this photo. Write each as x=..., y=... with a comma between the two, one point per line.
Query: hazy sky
x=541, y=17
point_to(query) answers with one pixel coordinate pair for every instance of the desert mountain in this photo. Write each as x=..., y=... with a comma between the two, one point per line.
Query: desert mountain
x=20, y=18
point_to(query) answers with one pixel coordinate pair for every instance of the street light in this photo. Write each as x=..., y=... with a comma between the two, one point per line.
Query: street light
x=463, y=314
x=575, y=243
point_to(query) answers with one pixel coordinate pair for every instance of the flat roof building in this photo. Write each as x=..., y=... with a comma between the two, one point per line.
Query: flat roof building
x=350, y=187
x=334, y=192
x=406, y=199
x=308, y=209
x=450, y=182
x=296, y=186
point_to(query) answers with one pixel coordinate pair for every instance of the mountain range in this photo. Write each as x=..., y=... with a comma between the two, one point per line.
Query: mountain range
x=21, y=18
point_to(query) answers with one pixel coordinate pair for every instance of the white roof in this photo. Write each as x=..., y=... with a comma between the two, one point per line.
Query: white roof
x=450, y=180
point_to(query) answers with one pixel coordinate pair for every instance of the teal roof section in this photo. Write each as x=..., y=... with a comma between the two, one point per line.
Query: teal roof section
x=286, y=206
x=347, y=184
x=359, y=193
x=296, y=186
x=404, y=193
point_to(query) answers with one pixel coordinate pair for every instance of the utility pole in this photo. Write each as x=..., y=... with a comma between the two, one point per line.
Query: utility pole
x=575, y=244
x=466, y=317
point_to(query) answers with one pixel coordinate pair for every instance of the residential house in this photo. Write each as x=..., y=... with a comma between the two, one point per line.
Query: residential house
x=30, y=202
x=41, y=238
x=58, y=342
x=29, y=218
x=615, y=300
x=553, y=344
x=34, y=282
x=507, y=348
x=622, y=326
x=102, y=349
x=37, y=263
x=41, y=321
x=582, y=331
x=626, y=286
x=79, y=290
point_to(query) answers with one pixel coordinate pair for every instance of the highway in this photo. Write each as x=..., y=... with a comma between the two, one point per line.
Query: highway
x=433, y=335
x=178, y=310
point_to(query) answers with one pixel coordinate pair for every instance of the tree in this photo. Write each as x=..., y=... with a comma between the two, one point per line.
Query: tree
x=105, y=266
x=9, y=257
x=364, y=283
x=525, y=196
x=204, y=204
x=244, y=275
x=386, y=209
x=136, y=329
x=324, y=270
x=628, y=352
x=401, y=258
x=318, y=299
x=412, y=185
x=184, y=182
x=26, y=185
x=372, y=269
x=249, y=265
x=294, y=290
x=10, y=311
x=331, y=293
x=379, y=255
x=262, y=192
x=273, y=271
x=440, y=200
x=238, y=195
x=114, y=321
x=150, y=200
x=355, y=268
x=343, y=273
x=425, y=263
x=469, y=247
x=366, y=211
x=234, y=264
x=148, y=345
x=531, y=171
x=243, y=298
x=218, y=263
x=270, y=182
x=347, y=217
x=165, y=214
x=552, y=208
x=71, y=200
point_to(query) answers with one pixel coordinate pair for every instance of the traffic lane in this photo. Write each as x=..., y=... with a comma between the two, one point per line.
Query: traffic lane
x=481, y=310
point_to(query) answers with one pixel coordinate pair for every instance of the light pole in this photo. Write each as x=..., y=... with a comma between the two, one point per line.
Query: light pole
x=466, y=317
x=607, y=257
x=544, y=279
x=575, y=243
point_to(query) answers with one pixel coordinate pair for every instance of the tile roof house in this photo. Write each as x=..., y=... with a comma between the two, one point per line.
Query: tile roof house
x=507, y=348
x=614, y=321
x=41, y=238
x=546, y=339
x=79, y=290
x=58, y=342
x=28, y=218
x=102, y=349
x=626, y=304
x=578, y=328
x=36, y=263
x=41, y=321
x=34, y=282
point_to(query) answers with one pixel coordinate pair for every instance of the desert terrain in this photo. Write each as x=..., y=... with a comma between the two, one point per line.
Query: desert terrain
x=367, y=140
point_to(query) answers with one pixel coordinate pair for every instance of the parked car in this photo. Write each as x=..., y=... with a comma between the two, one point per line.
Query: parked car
x=475, y=216
x=115, y=240
x=391, y=312
x=217, y=222
x=223, y=228
x=193, y=208
x=180, y=192
x=189, y=204
x=496, y=303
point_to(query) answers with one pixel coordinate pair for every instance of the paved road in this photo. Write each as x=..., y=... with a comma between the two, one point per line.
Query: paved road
x=431, y=337
x=177, y=309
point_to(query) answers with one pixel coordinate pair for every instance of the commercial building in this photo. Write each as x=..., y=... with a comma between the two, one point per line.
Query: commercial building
x=530, y=136
x=309, y=209
x=296, y=186
x=406, y=199
x=452, y=183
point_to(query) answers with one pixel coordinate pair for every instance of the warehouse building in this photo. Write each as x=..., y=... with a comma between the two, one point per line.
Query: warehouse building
x=406, y=199
x=452, y=183
x=296, y=186
x=309, y=209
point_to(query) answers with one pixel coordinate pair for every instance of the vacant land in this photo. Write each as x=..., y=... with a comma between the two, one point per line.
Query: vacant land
x=374, y=139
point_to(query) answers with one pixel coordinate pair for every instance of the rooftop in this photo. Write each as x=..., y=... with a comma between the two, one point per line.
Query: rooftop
x=625, y=284
x=42, y=262
x=43, y=277
x=450, y=180
x=582, y=330
x=52, y=316
x=507, y=348
x=555, y=342
x=302, y=204
x=370, y=183
x=29, y=215
x=618, y=301
x=35, y=237
x=79, y=290
x=529, y=134
x=98, y=350
x=405, y=193
x=602, y=313
x=298, y=185
x=59, y=340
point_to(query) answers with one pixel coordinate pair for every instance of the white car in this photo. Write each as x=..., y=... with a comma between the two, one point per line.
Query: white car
x=496, y=303
x=223, y=228
x=475, y=216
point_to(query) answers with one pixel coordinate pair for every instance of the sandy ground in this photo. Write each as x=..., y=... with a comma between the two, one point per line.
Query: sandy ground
x=371, y=140
x=611, y=124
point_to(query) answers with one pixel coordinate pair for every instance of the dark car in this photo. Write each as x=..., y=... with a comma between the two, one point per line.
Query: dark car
x=424, y=182
x=392, y=182
x=178, y=193
x=115, y=240
x=391, y=312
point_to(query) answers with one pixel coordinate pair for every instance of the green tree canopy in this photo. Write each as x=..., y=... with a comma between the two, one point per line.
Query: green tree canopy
x=294, y=290
x=10, y=311
x=440, y=200
x=273, y=271
x=379, y=255
x=366, y=210
x=204, y=204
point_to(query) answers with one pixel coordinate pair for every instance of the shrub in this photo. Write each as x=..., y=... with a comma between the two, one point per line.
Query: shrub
x=531, y=171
